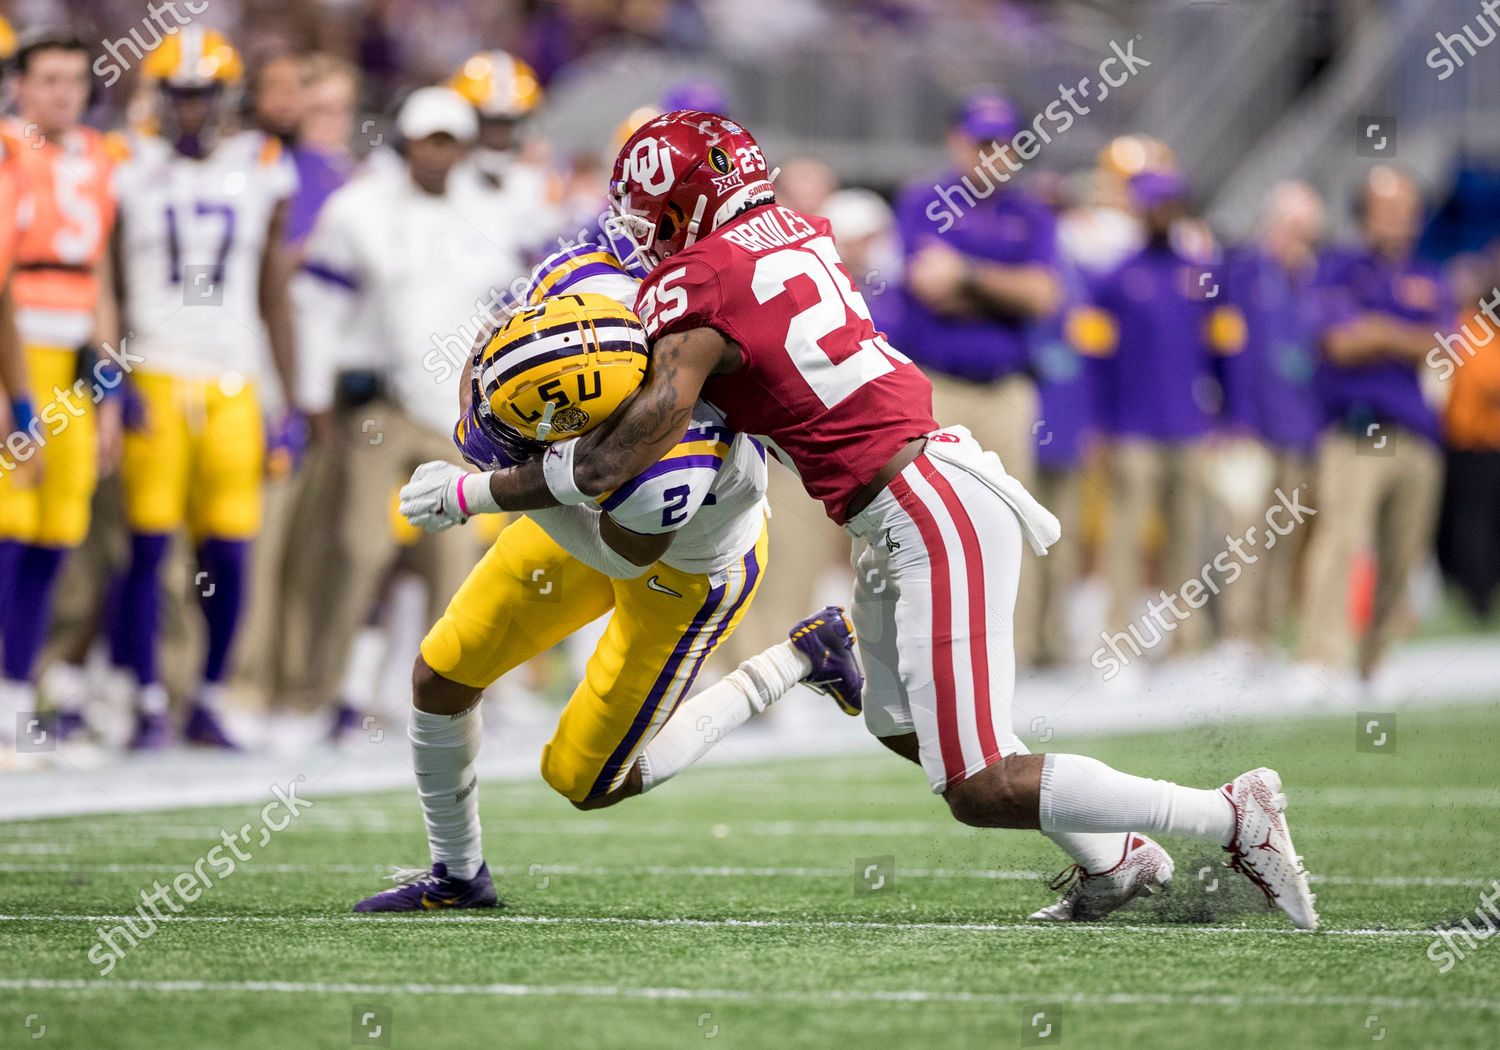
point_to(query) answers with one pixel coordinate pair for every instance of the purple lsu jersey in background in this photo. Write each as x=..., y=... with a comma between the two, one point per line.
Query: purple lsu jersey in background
x=1160, y=382
x=1269, y=386
x=1358, y=281
x=1008, y=227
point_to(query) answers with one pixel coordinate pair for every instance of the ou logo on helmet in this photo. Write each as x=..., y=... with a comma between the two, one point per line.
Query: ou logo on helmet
x=650, y=165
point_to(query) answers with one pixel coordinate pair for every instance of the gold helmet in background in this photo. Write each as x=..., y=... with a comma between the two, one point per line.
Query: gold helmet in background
x=194, y=58
x=499, y=85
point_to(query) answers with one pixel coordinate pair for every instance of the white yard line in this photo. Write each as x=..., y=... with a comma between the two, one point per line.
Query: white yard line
x=592, y=991
x=1094, y=929
x=695, y=871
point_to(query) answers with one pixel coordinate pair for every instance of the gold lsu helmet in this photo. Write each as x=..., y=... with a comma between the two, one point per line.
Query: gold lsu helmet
x=194, y=57
x=557, y=370
x=498, y=84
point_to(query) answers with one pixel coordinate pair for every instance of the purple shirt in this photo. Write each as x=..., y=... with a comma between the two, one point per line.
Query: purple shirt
x=1356, y=396
x=1268, y=386
x=1007, y=227
x=1064, y=386
x=318, y=175
x=1159, y=383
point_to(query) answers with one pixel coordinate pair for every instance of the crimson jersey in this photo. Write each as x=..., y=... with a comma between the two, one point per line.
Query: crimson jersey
x=817, y=382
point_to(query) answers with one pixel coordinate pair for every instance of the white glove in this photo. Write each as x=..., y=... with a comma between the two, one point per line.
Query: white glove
x=435, y=497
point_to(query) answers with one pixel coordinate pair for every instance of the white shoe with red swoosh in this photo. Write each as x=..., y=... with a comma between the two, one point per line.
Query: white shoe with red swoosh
x=1262, y=850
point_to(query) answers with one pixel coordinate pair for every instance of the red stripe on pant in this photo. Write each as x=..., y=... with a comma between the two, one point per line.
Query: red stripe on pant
x=979, y=651
x=942, y=627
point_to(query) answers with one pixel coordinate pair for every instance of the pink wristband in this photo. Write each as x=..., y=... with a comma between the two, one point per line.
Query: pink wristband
x=483, y=500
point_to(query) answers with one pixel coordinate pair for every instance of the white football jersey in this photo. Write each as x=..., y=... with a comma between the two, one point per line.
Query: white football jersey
x=193, y=234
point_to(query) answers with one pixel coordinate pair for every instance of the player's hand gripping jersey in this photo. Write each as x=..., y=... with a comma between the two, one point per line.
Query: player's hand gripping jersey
x=708, y=490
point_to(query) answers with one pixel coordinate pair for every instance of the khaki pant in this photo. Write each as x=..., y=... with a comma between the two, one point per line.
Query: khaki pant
x=1259, y=605
x=1150, y=481
x=334, y=573
x=1002, y=417
x=1048, y=634
x=256, y=664
x=1382, y=500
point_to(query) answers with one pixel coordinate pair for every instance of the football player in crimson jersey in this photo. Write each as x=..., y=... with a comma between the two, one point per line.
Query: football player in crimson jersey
x=750, y=308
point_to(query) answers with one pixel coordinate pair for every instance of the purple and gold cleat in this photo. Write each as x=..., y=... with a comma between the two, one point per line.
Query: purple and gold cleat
x=206, y=730
x=826, y=638
x=151, y=732
x=419, y=890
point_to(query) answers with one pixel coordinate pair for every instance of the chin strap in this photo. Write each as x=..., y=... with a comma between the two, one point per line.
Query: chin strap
x=544, y=428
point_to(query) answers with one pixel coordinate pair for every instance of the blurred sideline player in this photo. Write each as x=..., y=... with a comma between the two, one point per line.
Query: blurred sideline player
x=751, y=309
x=13, y=381
x=202, y=209
x=399, y=281
x=65, y=307
x=560, y=366
x=506, y=94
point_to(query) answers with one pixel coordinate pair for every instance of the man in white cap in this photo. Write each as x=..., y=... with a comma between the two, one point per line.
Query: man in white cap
x=403, y=270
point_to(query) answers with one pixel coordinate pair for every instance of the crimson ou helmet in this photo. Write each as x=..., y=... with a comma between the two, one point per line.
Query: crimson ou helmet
x=682, y=176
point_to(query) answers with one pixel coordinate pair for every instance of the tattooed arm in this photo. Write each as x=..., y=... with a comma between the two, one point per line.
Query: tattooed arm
x=644, y=429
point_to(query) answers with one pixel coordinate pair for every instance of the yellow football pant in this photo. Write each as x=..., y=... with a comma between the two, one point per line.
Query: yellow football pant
x=196, y=458
x=44, y=500
x=527, y=594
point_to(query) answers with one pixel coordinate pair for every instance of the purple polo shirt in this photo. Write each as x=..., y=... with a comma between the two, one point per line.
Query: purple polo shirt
x=1064, y=386
x=318, y=175
x=1269, y=387
x=1159, y=383
x=1006, y=227
x=1358, y=281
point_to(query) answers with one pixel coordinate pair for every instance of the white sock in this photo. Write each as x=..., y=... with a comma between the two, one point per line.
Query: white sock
x=1083, y=794
x=1095, y=854
x=443, y=750
x=68, y=686
x=709, y=716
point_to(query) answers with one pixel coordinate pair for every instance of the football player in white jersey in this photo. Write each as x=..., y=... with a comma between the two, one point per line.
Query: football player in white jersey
x=507, y=95
x=205, y=274
x=674, y=557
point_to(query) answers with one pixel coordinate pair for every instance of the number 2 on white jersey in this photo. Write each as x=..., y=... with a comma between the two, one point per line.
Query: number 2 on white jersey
x=818, y=260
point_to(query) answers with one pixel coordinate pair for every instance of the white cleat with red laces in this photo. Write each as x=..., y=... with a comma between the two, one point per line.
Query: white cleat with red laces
x=1144, y=869
x=1262, y=850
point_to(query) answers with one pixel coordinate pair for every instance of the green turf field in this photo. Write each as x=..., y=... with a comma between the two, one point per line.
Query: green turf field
x=731, y=909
